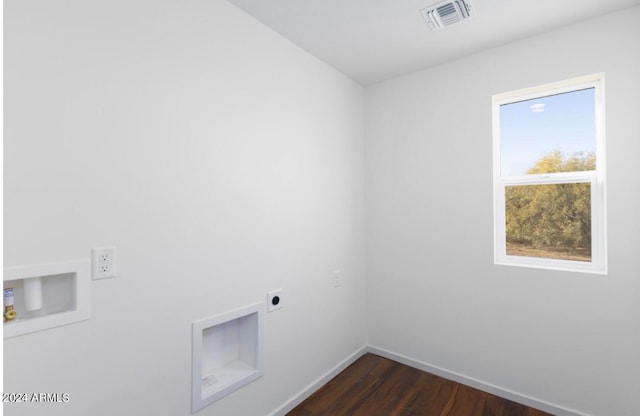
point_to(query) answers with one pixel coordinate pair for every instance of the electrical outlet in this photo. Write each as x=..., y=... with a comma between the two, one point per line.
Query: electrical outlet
x=337, y=280
x=274, y=300
x=103, y=262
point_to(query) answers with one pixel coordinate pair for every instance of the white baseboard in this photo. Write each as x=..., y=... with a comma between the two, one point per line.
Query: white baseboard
x=554, y=409
x=478, y=384
x=290, y=404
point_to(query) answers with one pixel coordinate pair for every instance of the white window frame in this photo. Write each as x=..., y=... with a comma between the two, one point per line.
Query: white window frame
x=596, y=178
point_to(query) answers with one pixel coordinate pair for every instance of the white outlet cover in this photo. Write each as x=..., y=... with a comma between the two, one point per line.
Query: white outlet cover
x=274, y=300
x=103, y=262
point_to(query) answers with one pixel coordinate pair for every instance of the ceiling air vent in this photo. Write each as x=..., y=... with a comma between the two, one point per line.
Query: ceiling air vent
x=446, y=13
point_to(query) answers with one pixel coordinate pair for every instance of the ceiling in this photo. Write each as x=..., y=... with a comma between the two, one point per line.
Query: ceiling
x=374, y=40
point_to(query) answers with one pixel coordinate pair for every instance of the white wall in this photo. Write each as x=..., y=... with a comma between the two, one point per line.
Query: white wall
x=435, y=295
x=224, y=162
x=220, y=159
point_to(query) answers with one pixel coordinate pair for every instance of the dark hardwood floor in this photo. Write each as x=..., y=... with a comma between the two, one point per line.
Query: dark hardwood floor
x=376, y=386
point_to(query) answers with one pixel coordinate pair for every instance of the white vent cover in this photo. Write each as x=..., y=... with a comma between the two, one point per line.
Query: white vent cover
x=446, y=13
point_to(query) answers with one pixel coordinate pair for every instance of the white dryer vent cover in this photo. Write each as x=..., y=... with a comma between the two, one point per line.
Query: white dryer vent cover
x=446, y=13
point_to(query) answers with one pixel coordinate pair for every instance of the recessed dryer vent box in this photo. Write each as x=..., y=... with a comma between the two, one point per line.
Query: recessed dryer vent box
x=227, y=354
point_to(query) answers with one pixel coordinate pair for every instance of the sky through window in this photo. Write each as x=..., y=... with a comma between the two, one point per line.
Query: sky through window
x=531, y=129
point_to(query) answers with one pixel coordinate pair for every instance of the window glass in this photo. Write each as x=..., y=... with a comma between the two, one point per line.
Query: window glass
x=549, y=176
x=550, y=221
x=562, y=125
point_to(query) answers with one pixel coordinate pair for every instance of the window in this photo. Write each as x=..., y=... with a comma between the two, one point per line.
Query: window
x=549, y=176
